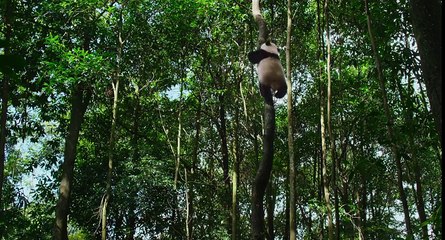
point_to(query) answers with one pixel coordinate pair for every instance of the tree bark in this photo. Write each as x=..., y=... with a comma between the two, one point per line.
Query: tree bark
x=178, y=138
x=407, y=102
x=270, y=209
x=131, y=222
x=290, y=130
x=7, y=18
x=225, y=161
x=111, y=150
x=263, y=173
x=324, y=174
x=265, y=167
x=79, y=102
x=236, y=169
x=112, y=141
x=190, y=191
x=80, y=99
x=329, y=123
x=426, y=18
x=325, y=181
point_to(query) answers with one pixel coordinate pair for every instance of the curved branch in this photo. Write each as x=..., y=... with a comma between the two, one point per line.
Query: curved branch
x=265, y=167
x=263, y=33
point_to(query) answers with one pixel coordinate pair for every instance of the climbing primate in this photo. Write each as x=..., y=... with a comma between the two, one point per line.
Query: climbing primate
x=270, y=71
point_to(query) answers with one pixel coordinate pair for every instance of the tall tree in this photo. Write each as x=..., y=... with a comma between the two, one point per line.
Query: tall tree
x=389, y=125
x=323, y=165
x=116, y=77
x=7, y=18
x=79, y=103
x=329, y=119
x=426, y=18
x=290, y=129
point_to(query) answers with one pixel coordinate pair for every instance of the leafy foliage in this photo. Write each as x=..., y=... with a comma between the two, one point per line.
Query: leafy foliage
x=183, y=63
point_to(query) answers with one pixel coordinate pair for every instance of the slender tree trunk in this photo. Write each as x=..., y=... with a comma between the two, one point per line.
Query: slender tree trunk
x=389, y=125
x=263, y=173
x=358, y=217
x=178, y=139
x=270, y=209
x=290, y=130
x=418, y=192
x=417, y=169
x=426, y=18
x=111, y=149
x=175, y=218
x=324, y=177
x=235, y=213
x=329, y=123
x=225, y=161
x=187, y=205
x=286, y=225
x=265, y=167
x=363, y=205
x=191, y=210
x=112, y=141
x=7, y=19
x=236, y=168
x=420, y=203
x=79, y=103
x=325, y=181
x=321, y=167
x=131, y=223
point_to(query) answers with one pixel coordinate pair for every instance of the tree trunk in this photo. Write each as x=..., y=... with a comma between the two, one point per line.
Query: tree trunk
x=235, y=202
x=265, y=167
x=358, y=220
x=324, y=176
x=407, y=102
x=389, y=125
x=363, y=205
x=7, y=18
x=270, y=209
x=426, y=18
x=236, y=169
x=111, y=149
x=290, y=130
x=191, y=210
x=187, y=205
x=329, y=123
x=178, y=139
x=79, y=102
x=112, y=142
x=131, y=223
x=263, y=173
x=325, y=181
x=175, y=227
x=225, y=162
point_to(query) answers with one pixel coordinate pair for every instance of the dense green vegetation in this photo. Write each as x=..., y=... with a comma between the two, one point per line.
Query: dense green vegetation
x=163, y=108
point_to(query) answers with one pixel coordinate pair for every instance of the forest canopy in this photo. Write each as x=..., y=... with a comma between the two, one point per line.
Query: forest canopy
x=143, y=119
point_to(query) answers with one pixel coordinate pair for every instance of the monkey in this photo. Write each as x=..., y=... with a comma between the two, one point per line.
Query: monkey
x=270, y=71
